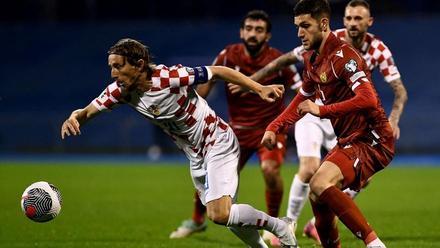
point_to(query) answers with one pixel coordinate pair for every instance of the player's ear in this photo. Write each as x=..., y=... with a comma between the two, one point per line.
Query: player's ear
x=241, y=33
x=324, y=24
x=140, y=64
x=269, y=35
x=370, y=21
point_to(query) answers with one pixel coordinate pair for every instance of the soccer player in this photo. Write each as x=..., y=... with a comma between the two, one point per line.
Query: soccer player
x=311, y=132
x=337, y=74
x=249, y=115
x=165, y=96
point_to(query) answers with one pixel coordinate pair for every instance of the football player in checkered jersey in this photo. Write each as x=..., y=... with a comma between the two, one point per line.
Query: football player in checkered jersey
x=311, y=132
x=249, y=114
x=166, y=97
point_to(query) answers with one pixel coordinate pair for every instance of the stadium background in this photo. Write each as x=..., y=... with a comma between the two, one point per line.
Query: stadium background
x=54, y=60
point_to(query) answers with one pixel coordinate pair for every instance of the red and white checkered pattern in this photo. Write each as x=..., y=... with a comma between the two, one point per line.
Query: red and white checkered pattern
x=376, y=54
x=172, y=105
x=173, y=77
x=108, y=98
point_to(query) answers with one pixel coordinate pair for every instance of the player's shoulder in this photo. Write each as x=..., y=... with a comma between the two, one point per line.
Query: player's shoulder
x=340, y=33
x=232, y=48
x=375, y=42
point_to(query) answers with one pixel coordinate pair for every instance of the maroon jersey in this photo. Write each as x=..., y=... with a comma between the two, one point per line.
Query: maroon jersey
x=250, y=110
x=340, y=78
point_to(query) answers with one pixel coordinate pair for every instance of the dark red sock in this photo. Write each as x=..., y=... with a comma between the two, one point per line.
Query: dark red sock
x=326, y=225
x=347, y=211
x=199, y=210
x=273, y=202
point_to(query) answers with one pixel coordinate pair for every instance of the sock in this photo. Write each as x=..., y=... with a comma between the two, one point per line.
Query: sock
x=249, y=236
x=299, y=192
x=326, y=225
x=273, y=202
x=376, y=243
x=243, y=215
x=199, y=210
x=347, y=211
x=351, y=193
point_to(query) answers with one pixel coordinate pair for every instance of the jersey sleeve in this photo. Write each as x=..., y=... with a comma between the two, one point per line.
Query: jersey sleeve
x=109, y=98
x=179, y=76
x=298, y=53
x=384, y=58
x=290, y=115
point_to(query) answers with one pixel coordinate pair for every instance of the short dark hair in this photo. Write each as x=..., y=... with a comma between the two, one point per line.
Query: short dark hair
x=356, y=3
x=316, y=8
x=132, y=49
x=258, y=15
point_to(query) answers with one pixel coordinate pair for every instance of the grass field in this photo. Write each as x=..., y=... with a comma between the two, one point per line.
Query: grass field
x=135, y=205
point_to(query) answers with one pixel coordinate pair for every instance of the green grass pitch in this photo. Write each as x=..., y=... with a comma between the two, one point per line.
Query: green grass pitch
x=133, y=205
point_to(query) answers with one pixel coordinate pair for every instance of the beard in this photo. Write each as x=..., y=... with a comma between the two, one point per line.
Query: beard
x=253, y=49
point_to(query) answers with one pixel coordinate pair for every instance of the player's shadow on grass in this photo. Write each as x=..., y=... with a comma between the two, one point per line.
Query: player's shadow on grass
x=220, y=240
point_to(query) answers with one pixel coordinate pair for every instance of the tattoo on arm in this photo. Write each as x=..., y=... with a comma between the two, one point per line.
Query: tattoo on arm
x=400, y=99
x=274, y=66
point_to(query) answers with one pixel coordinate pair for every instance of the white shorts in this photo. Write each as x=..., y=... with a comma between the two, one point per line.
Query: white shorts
x=311, y=133
x=218, y=176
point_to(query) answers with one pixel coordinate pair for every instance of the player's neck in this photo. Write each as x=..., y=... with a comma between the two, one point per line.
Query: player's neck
x=324, y=39
x=145, y=82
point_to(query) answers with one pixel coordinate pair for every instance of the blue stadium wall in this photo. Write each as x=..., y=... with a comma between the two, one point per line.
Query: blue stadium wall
x=48, y=70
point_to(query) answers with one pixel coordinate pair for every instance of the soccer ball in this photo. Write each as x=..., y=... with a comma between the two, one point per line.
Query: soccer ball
x=41, y=201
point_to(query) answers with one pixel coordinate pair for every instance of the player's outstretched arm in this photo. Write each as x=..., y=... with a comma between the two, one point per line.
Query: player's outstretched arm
x=268, y=93
x=400, y=99
x=72, y=125
x=274, y=66
x=204, y=89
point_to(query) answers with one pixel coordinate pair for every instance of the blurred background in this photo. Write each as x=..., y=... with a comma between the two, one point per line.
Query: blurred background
x=54, y=61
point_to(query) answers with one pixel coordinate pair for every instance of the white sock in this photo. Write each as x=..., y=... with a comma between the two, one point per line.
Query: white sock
x=351, y=192
x=376, y=243
x=245, y=216
x=249, y=236
x=299, y=192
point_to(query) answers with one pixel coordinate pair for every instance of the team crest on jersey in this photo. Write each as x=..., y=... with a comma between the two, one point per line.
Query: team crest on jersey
x=351, y=65
x=190, y=70
x=154, y=109
x=323, y=77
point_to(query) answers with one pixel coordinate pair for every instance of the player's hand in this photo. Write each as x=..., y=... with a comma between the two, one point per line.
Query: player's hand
x=308, y=107
x=269, y=140
x=70, y=127
x=271, y=93
x=395, y=126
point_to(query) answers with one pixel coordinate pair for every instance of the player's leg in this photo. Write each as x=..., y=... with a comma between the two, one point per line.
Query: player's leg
x=271, y=161
x=328, y=142
x=198, y=222
x=339, y=170
x=308, y=137
x=219, y=189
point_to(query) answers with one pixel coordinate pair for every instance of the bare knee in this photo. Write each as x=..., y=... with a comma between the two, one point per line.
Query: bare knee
x=218, y=210
x=307, y=168
x=219, y=217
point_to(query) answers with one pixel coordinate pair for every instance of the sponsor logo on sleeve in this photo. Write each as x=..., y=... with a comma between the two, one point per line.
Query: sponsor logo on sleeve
x=351, y=65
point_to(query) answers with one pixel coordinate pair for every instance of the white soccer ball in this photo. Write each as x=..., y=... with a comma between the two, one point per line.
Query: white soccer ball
x=41, y=201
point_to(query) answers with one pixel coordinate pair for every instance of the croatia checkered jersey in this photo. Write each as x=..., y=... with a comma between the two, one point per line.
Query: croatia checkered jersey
x=374, y=52
x=173, y=105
